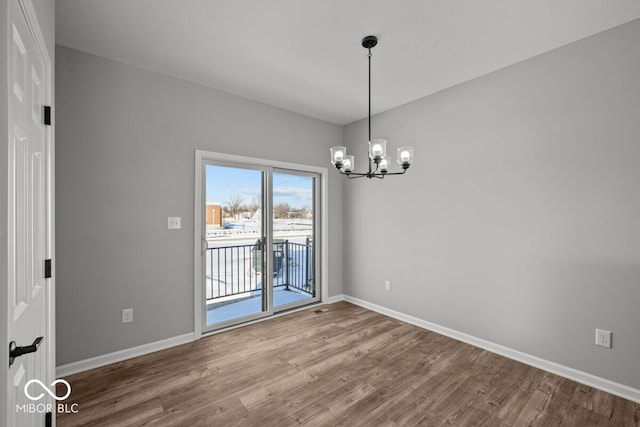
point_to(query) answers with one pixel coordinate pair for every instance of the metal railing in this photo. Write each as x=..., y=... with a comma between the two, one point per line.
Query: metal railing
x=235, y=270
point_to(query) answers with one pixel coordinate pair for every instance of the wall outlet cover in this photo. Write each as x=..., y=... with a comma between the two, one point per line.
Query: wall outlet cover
x=603, y=338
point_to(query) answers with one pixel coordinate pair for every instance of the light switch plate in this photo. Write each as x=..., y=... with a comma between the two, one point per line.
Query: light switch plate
x=127, y=315
x=174, y=223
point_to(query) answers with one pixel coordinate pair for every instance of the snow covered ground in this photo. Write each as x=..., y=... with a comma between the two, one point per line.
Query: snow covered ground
x=233, y=278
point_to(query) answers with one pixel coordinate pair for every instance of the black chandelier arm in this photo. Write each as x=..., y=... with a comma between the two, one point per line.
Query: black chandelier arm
x=376, y=169
x=352, y=175
x=396, y=173
x=380, y=175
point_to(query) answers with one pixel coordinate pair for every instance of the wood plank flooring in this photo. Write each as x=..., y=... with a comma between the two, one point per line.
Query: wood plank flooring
x=337, y=365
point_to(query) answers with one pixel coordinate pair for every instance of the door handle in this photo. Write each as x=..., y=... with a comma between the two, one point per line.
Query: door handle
x=15, y=351
x=204, y=246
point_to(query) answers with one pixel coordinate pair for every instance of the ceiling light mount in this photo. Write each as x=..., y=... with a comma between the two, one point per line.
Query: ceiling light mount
x=377, y=147
x=369, y=42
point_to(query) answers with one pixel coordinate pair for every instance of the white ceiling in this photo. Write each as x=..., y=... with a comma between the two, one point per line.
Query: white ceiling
x=305, y=55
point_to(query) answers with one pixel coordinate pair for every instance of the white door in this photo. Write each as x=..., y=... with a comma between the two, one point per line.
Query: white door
x=27, y=229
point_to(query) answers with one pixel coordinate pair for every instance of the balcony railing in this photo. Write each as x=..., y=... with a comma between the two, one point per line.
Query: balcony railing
x=236, y=270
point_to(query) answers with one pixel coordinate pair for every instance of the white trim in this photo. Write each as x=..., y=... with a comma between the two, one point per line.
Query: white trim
x=223, y=157
x=324, y=234
x=197, y=249
x=333, y=299
x=546, y=365
x=118, y=356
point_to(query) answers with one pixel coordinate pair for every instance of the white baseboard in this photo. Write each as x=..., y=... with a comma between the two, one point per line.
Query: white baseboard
x=118, y=356
x=546, y=365
x=335, y=298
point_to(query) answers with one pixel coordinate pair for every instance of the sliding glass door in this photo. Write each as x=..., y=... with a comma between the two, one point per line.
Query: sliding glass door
x=293, y=230
x=258, y=231
x=235, y=288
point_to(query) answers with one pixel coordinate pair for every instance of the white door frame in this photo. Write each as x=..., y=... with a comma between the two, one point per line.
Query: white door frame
x=202, y=155
x=48, y=344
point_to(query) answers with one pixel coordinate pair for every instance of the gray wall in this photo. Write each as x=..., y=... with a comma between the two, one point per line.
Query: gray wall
x=125, y=162
x=520, y=221
x=45, y=10
x=46, y=19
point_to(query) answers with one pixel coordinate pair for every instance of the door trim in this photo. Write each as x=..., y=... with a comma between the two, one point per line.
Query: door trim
x=202, y=155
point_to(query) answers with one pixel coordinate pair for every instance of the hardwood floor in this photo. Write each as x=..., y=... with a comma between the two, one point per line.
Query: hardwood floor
x=335, y=365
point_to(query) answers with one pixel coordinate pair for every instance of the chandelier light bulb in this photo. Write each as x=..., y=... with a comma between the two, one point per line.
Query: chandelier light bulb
x=377, y=149
x=338, y=154
x=348, y=163
x=384, y=165
x=405, y=156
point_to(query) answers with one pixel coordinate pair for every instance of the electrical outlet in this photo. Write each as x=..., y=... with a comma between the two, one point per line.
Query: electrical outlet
x=387, y=285
x=127, y=315
x=603, y=338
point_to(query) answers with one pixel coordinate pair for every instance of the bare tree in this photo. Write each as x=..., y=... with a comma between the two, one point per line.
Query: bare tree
x=234, y=204
x=297, y=213
x=281, y=210
x=253, y=206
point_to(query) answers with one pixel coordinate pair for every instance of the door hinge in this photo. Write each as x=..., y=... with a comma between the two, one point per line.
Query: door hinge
x=47, y=268
x=47, y=115
x=48, y=419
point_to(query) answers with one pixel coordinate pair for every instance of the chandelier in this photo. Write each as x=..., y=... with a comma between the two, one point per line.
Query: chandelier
x=377, y=147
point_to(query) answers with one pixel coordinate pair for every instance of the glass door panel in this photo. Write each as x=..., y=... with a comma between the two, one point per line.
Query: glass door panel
x=260, y=246
x=236, y=286
x=294, y=201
